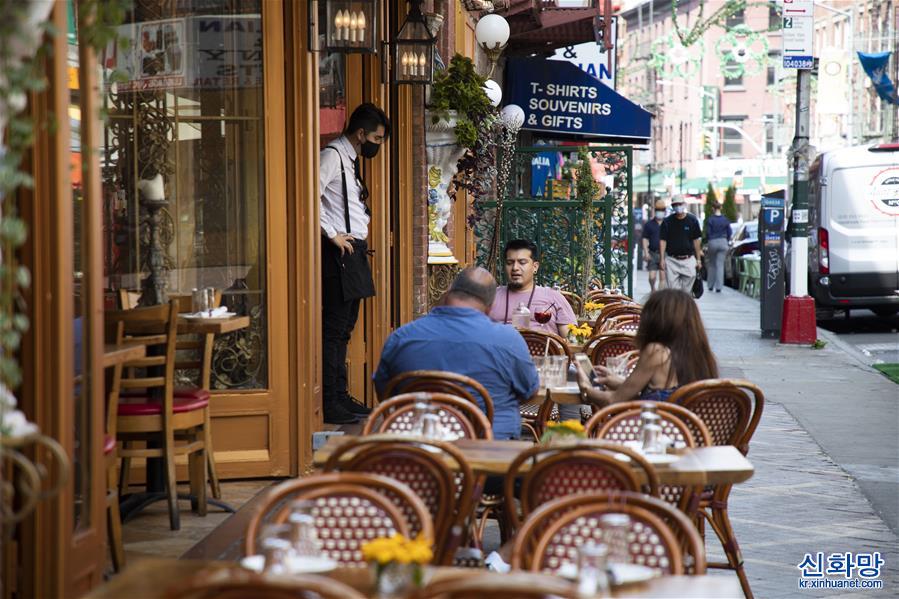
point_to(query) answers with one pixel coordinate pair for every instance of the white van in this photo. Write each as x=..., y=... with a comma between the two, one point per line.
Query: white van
x=854, y=229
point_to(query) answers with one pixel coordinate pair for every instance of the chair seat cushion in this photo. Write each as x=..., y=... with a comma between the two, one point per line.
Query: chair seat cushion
x=144, y=406
x=188, y=392
x=108, y=444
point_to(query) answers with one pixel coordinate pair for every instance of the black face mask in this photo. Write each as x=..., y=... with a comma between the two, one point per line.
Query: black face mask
x=369, y=149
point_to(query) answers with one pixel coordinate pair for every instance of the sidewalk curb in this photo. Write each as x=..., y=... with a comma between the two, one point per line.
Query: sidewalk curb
x=847, y=348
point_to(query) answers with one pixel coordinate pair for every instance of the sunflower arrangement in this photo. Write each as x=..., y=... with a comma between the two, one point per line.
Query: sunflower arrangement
x=398, y=549
x=581, y=333
x=566, y=429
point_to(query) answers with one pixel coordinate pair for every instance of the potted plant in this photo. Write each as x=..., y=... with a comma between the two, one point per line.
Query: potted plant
x=458, y=97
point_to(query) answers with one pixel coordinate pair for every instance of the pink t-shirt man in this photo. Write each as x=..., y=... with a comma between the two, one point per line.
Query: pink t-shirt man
x=543, y=299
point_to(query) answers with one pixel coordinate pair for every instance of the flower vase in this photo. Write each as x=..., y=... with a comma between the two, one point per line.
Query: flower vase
x=396, y=579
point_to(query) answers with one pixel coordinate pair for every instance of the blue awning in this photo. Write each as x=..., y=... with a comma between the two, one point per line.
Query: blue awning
x=558, y=97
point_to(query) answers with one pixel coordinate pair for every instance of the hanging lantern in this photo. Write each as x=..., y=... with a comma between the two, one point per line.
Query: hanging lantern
x=413, y=49
x=350, y=26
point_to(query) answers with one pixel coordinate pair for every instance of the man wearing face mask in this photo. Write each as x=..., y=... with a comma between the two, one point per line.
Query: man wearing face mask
x=680, y=248
x=651, y=246
x=346, y=274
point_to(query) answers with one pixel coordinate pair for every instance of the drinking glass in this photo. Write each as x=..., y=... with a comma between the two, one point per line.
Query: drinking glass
x=418, y=413
x=558, y=370
x=615, y=531
x=617, y=364
x=210, y=299
x=592, y=570
x=304, y=536
x=276, y=548
x=540, y=362
x=652, y=436
x=430, y=426
x=199, y=302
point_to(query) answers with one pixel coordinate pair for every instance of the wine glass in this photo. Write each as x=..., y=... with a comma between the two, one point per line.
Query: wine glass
x=276, y=548
x=592, y=569
x=543, y=317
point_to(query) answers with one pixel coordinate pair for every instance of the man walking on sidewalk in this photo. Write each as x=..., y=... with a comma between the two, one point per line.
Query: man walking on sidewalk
x=651, y=255
x=680, y=247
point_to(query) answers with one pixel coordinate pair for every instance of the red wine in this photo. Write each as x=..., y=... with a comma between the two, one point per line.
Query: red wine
x=543, y=317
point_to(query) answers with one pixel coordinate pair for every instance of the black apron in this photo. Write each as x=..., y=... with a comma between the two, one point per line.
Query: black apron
x=353, y=269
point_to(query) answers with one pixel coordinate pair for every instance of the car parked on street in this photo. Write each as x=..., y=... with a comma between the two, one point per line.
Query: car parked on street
x=745, y=240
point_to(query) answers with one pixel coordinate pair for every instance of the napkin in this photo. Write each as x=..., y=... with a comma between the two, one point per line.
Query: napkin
x=216, y=313
x=496, y=563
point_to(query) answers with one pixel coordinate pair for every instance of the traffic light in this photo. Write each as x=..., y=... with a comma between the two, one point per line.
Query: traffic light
x=705, y=142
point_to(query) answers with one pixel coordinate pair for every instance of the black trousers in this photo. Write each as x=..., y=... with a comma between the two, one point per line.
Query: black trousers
x=338, y=321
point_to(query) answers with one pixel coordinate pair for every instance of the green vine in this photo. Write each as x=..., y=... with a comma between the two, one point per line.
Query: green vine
x=718, y=18
x=586, y=191
x=24, y=47
x=460, y=88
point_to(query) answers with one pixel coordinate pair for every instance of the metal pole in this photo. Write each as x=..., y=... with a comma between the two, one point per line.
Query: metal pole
x=850, y=120
x=800, y=157
x=680, y=144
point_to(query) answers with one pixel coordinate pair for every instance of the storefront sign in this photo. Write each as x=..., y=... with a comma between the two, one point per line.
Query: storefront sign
x=200, y=52
x=593, y=58
x=558, y=97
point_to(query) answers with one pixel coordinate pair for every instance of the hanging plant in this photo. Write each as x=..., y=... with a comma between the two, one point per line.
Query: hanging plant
x=742, y=52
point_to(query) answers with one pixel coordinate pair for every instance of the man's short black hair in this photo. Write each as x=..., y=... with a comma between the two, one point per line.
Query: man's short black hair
x=523, y=244
x=368, y=117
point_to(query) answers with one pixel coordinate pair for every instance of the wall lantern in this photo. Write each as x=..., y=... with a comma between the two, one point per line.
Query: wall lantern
x=413, y=49
x=350, y=25
x=492, y=34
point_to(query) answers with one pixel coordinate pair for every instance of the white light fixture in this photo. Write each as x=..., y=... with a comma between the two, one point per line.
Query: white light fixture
x=492, y=34
x=493, y=91
x=513, y=116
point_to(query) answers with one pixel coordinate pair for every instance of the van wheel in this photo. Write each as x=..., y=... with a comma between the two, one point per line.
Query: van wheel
x=885, y=312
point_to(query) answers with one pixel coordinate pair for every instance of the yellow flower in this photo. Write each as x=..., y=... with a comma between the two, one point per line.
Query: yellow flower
x=572, y=425
x=398, y=548
x=591, y=306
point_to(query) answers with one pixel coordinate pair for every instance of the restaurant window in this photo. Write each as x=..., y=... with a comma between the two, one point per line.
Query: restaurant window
x=189, y=105
x=773, y=59
x=331, y=89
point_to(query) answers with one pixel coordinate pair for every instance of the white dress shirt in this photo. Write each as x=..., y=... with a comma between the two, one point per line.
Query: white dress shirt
x=331, y=215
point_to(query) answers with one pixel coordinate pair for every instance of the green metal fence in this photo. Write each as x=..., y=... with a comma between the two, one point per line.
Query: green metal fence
x=582, y=235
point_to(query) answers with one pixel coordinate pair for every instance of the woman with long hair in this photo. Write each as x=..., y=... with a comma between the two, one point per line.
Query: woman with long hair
x=674, y=351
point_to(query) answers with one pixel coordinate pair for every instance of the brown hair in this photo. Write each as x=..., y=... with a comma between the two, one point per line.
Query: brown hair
x=670, y=317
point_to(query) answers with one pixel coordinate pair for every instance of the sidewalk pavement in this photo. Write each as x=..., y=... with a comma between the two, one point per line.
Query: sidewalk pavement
x=826, y=452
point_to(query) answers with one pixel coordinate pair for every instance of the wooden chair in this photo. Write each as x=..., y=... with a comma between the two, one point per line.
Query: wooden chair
x=731, y=416
x=551, y=535
x=422, y=466
x=517, y=585
x=607, y=345
x=239, y=583
x=620, y=423
x=575, y=301
x=604, y=296
x=623, y=323
x=534, y=414
x=616, y=309
x=115, y=335
x=350, y=509
x=441, y=381
x=460, y=416
x=193, y=353
x=158, y=417
x=572, y=470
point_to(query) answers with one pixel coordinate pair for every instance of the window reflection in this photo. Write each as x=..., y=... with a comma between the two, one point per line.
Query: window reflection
x=190, y=106
x=331, y=89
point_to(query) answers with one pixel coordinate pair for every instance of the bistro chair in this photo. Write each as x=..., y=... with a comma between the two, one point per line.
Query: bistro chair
x=441, y=381
x=115, y=334
x=608, y=345
x=549, y=538
x=534, y=414
x=731, y=416
x=604, y=296
x=192, y=353
x=239, y=583
x=157, y=417
x=459, y=416
x=350, y=509
x=423, y=466
x=575, y=301
x=562, y=471
x=624, y=323
x=616, y=309
x=621, y=423
x=514, y=585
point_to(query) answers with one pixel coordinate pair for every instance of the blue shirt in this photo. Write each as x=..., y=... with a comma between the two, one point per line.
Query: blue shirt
x=466, y=341
x=717, y=226
x=543, y=166
x=651, y=233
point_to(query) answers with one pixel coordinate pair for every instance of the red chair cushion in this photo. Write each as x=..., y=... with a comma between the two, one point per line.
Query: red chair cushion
x=108, y=444
x=143, y=406
x=188, y=392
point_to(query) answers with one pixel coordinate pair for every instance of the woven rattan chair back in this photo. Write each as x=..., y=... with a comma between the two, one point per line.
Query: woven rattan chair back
x=542, y=342
x=239, y=583
x=725, y=407
x=575, y=301
x=551, y=535
x=350, y=509
x=423, y=467
x=555, y=472
x=627, y=323
x=609, y=345
x=603, y=296
x=459, y=416
x=518, y=585
x=441, y=381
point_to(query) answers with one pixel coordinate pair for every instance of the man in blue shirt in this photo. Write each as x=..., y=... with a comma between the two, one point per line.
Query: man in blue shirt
x=651, y=246
x=459, y=337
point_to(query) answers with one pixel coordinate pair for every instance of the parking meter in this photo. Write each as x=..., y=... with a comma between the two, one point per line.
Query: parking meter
x=771, y=246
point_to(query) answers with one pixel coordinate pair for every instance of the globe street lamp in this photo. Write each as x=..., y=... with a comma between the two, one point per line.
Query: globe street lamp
x=492, y=34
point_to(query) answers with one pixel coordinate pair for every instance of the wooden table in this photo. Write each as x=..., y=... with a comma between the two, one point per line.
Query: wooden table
x=152, y=578
x=722, y=464
x=119, y=354
x=214, y=326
